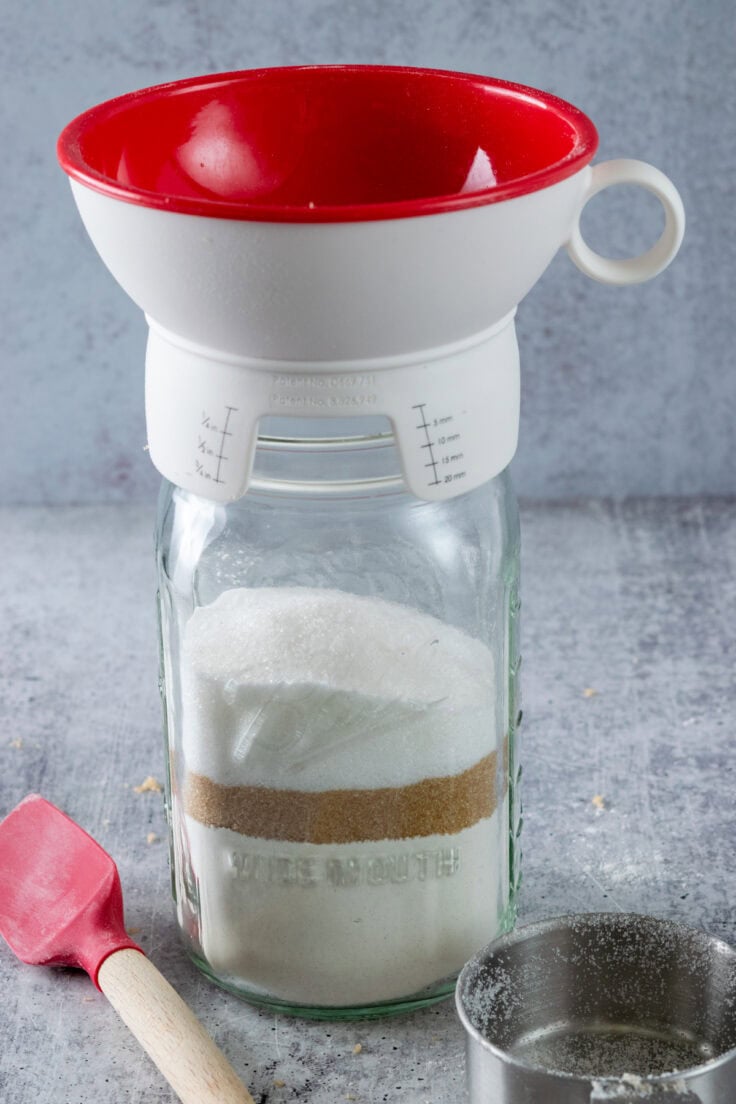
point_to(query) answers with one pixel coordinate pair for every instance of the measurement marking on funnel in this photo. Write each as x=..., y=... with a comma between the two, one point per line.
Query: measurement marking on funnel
x=424, y=424
x=223, y=434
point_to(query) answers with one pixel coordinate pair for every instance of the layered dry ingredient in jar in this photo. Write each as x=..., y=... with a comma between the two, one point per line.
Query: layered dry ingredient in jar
x=344, y=798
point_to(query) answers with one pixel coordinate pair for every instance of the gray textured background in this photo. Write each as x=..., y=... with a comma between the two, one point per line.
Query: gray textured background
x=625, y=391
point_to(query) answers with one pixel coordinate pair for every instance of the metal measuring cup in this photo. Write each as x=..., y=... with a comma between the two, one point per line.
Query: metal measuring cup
x=601, y=1007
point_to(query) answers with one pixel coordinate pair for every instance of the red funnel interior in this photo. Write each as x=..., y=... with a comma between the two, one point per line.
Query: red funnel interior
x=327, y=143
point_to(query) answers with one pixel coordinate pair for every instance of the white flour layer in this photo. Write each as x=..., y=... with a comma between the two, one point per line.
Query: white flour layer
x=348, y=924
x=316, y=689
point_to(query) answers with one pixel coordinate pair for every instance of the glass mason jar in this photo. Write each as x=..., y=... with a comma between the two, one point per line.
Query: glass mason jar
x=338, y=673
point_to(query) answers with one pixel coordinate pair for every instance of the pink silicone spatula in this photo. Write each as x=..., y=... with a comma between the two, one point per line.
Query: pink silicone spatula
x=61, y=905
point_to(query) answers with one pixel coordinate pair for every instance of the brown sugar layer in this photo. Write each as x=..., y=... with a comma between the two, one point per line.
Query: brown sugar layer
x=434, y=806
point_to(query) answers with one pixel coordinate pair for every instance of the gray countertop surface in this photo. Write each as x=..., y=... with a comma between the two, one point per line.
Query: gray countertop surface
x=629, y=641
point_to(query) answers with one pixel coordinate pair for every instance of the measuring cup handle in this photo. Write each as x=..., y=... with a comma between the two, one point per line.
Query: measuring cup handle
x=633, y=270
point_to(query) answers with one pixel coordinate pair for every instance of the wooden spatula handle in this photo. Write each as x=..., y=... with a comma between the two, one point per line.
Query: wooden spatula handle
x=168, y=1031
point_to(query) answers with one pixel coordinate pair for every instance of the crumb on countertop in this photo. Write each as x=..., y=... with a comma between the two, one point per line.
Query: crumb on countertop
x=148, y=785
x=151, y=838
x=598, y=801
x=357, y=1048
x=589, y=692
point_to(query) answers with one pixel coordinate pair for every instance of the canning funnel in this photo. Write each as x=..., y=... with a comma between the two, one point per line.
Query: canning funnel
x=339, y=241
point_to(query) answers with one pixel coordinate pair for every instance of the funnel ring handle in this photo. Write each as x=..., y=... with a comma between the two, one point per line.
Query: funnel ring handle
x=632, y=270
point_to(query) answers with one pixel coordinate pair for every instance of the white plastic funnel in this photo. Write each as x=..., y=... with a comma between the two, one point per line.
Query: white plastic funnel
x=340, y=240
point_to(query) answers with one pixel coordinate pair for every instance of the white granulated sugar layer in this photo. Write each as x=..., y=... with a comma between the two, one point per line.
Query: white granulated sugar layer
x=315, y=689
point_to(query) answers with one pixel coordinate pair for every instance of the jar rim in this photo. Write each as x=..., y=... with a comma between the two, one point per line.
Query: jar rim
x=356, y=442
x=373, y=486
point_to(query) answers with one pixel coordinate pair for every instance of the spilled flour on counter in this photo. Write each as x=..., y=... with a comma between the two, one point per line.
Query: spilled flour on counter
x=344, y=795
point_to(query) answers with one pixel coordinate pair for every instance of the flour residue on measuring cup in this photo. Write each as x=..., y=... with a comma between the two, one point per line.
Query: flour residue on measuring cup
x=631, y=1087
x=615, y=1050
x=596, y=1007
x=341, y=792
